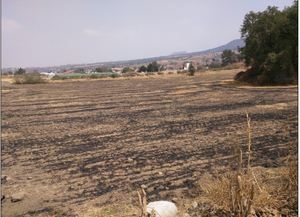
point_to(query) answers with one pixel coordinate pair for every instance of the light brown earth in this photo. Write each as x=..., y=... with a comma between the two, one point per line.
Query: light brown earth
x=66, y=145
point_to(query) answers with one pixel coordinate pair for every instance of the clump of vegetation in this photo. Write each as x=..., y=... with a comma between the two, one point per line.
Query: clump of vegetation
x=56, y=77
x=236, y=191
x=3, y=117
x=149, y=73
x=228, y=57
x=170, y=73
x=29, y=79
x=271, y=49
x=191, y=70
x=75, y=77
x=115, y=75
x=160, y=73
x=94, y=76
x=225, y=68
x=127, y=69
x=182, y=72
x=129, y=75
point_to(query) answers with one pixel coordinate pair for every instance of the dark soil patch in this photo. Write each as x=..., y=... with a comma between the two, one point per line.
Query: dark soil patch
x=65, y=144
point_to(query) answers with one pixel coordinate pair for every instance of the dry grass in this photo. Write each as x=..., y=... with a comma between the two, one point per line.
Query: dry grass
x=114, y=210
x=272, y=187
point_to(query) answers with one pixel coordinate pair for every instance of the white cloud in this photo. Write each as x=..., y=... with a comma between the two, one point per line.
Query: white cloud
x=9, y=25
x=91, y=32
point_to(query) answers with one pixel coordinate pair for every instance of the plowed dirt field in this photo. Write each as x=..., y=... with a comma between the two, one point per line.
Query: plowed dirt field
x=66, y=144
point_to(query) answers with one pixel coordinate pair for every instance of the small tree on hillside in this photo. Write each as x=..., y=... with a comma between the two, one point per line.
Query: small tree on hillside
x=142, y=69
x=20, y=71
x=192, y=69
x=228, y=57
x=150, y=68
x=127, y=69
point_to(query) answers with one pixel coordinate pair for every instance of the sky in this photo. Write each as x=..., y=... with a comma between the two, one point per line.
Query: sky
x=40, y=33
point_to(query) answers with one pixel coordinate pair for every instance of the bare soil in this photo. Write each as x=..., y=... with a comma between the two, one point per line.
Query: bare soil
x=66, y=145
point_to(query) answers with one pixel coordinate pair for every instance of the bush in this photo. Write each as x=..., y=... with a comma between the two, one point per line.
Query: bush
x=129, y=75
x=75, y=77
x=94, y=76
x=115, y=76
x=29, y=79
x=56, y=77
x=179, y=72
x=170, y=73
x=149, y=73
x=102, y=76
x=230, y=67
x=160, y=73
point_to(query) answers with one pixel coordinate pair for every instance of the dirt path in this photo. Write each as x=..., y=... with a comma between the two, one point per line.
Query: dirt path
x=67, y=144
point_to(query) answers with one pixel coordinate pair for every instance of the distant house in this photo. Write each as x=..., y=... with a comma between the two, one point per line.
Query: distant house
x=186, y=66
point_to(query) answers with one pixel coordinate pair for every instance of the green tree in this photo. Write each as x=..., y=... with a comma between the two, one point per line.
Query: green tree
x=214, y=64
x=155, y=66
x=271, y=46
x=228, y=57
x=98, y=69
x=104, y=69
x=142, y=69
x=127, y=69
x=191, y=69
x=150, y=68
x=20, y=71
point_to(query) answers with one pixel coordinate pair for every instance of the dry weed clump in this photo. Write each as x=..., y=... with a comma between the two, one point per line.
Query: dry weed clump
x=114, y=210
x=34, y=78
x=240, y=188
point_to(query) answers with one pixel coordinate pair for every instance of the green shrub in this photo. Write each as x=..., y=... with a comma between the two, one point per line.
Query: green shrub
x=149, y=73
x=102, y=76
x=170, y=73
x=3, y=117
x=115, y=76
x=179, y=72
x=56, y=77
x=29, y=79
x=230, y=67
x=160, y=73
x=75, y=77
x=129, y=75
x=94, y=76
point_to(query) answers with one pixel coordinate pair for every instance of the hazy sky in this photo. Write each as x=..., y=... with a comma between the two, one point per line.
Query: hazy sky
x=58, y=32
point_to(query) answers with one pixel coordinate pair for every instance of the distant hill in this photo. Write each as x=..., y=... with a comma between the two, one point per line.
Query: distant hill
x=178, y=53
x=231, y=46
x=113, y=64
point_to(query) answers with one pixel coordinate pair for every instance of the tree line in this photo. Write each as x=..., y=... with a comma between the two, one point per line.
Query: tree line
x=271, y=46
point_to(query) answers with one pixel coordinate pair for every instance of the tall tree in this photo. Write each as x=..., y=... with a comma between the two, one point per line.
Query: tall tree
x=150, y=68
x=155, y=66
x=127, y=69
x=142, y=69
x=20, y=71
x=228, y=57
x=191, y=69
x=271, y=46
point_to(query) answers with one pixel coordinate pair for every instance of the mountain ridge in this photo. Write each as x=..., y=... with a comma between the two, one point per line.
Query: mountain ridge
x=232, y=45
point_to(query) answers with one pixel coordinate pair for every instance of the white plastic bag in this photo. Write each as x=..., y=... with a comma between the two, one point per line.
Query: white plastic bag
x=162, y=209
